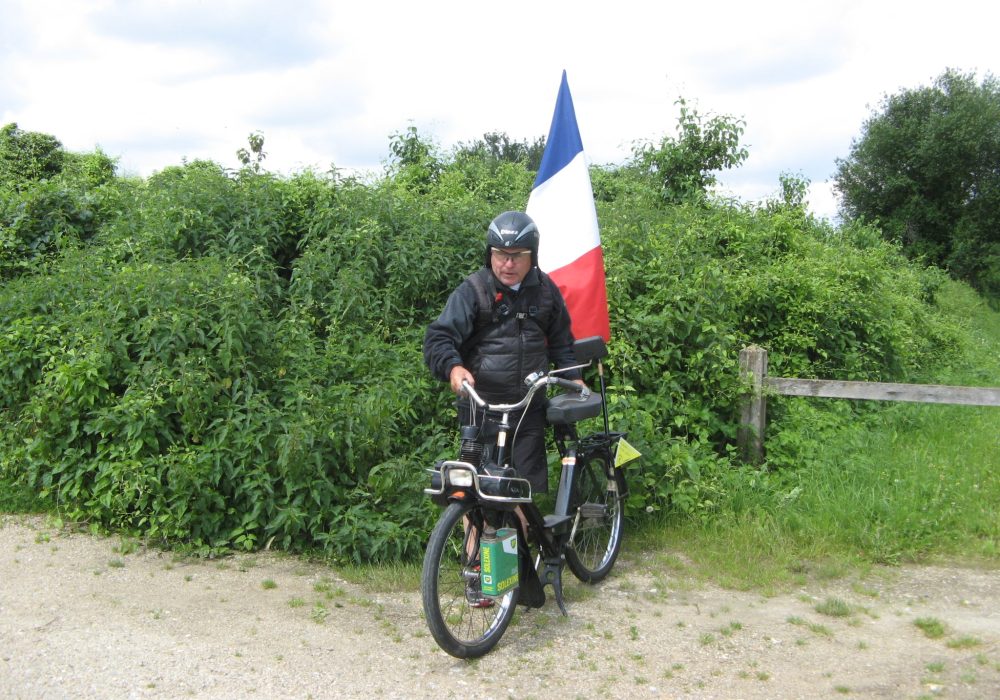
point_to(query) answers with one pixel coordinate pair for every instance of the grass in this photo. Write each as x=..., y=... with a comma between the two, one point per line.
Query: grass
x=319, y=613
x=931, y=627
x=870, y=482
x=385, y=578
x=833, y=607
x=820, y=630
x=964, y=642
x=911, y=483
x=731, y=628
x=874, y=483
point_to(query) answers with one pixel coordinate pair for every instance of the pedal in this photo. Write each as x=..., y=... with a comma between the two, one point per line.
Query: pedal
x=593, y=510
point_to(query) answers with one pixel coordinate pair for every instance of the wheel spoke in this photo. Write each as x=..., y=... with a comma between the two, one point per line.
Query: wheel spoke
x=460, y=628
x=597, y=536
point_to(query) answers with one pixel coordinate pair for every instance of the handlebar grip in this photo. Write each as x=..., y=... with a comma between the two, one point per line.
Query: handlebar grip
x=467, y=388
x=570, y=385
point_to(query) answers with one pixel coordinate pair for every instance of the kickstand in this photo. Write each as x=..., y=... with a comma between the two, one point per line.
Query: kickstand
x=552, y=575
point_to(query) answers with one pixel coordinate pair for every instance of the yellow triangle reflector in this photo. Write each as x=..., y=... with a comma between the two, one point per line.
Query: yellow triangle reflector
x=625, y=453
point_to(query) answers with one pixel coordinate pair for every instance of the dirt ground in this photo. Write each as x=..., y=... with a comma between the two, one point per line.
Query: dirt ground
x=90, y=617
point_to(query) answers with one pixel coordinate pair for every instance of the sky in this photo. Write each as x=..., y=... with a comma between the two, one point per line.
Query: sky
x=153, y=83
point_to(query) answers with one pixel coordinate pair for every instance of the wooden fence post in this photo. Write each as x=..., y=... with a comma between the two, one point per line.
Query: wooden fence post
x=753, y=413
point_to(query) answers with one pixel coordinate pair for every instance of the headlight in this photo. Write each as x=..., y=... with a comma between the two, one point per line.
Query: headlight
x=460, y=477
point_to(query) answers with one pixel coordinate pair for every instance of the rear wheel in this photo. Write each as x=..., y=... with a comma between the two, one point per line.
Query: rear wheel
x=596, y=537
x=459, y=625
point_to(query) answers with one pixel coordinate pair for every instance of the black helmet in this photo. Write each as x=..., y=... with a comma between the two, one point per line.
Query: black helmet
x=513, y=229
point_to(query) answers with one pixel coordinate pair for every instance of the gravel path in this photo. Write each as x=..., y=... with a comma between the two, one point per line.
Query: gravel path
x=83, y=617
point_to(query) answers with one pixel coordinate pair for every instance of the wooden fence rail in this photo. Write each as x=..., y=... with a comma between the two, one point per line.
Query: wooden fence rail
x=753, y=418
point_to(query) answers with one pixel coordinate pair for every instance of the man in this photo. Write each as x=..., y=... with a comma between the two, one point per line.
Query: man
x=504, y=322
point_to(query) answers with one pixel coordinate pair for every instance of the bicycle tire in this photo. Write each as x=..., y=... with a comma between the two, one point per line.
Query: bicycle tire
x=460, y=629
x=600, y=516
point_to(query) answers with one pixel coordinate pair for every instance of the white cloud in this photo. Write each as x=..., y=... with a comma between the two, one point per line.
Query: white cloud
x=156, y=81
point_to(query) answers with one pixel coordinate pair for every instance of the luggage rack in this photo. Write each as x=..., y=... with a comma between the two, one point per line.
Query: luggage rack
x=451, y=474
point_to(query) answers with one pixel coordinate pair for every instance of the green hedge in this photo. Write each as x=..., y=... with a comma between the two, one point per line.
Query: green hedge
x=232, y=359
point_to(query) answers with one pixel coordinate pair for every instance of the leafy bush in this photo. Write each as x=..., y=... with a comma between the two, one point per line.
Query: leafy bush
x=691, y=285
x=50, y=200
x=232, y=359
x=28, y=156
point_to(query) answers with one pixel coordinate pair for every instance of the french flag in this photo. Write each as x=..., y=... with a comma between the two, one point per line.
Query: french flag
x=562, y=204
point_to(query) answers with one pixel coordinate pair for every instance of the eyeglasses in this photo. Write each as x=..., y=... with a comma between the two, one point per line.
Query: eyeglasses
x=502, y=256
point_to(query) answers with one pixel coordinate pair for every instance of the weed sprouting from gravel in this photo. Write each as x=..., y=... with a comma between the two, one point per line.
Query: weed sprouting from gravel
x=833, y=607
x=319, y=613
x=964, y=642
x=729, y=629
x=821, y=630
x=931, y=627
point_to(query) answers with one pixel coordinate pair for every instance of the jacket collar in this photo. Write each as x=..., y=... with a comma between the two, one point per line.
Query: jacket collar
x=531, y=279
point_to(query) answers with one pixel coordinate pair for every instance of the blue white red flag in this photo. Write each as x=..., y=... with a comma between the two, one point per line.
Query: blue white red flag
x=562, y=204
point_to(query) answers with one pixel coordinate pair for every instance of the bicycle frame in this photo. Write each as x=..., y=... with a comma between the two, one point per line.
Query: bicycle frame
x=457, y=480
x=481, y=493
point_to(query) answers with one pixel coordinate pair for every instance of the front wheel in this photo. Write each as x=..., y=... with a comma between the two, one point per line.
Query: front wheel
x=462, y=623
x=599, y=515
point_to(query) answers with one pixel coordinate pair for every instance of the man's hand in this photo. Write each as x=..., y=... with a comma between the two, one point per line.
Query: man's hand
x=458, y=375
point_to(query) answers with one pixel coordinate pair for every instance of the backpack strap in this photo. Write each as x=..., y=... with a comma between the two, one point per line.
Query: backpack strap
x=494, y=307
x=486, y=297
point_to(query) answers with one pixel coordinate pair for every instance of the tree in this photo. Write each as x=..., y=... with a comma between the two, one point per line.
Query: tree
x=415, y=162
x=27, y=156
x=252, y=158
x=684, y=166
x=927, y=169
x=497, y=146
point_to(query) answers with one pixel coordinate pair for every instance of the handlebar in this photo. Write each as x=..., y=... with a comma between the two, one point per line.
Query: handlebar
x=570, y=385
x=471, y=393
x=535, y=382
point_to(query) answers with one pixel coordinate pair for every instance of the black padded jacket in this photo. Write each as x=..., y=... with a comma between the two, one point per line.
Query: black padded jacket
x=501, y=335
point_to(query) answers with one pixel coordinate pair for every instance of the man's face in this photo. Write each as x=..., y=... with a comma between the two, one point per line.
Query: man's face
x=510, y=266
